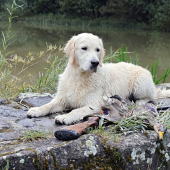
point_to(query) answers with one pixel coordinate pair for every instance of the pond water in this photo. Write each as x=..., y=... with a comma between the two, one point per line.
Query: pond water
x=32, y=37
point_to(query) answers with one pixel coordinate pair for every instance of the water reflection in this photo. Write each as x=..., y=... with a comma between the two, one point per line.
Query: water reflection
x=150, y=45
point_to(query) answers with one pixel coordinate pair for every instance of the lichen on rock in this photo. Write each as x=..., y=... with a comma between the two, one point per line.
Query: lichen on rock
x=91, y=146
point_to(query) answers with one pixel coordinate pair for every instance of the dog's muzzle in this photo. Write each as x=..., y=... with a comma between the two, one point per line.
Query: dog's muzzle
x=94, y=64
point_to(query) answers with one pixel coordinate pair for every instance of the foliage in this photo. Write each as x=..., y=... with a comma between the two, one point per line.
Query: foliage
x=153, y=12
x=42, y=6
x=88, y=8
x=160, y=15
x=74, y=7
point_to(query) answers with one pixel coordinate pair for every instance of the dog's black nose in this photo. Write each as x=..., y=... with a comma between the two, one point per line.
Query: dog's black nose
x=94, y=63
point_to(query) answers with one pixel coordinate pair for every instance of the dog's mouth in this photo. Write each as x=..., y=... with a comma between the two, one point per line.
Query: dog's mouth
x=94, y=64
x=94, y=69
x=91, y=69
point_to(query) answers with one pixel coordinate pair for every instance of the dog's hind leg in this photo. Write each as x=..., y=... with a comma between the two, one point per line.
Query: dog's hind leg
x=144, y=89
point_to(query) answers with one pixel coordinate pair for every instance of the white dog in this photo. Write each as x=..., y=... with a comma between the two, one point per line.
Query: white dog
x=86, y=80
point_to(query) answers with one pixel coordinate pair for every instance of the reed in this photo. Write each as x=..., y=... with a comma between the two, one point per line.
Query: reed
x=122, y=55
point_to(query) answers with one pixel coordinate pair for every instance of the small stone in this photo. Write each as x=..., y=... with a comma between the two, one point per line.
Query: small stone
x=3, y=101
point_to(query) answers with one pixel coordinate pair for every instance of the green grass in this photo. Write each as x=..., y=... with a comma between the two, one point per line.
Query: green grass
x=164, y=118
x=32, y=135
x=107, y=133
x=121, y=55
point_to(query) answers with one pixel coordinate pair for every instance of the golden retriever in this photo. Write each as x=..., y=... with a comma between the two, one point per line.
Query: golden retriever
x=86, y=80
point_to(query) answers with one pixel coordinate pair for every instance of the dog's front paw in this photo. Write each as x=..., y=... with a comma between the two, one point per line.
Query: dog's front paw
x=34, y=112
x=63, y=119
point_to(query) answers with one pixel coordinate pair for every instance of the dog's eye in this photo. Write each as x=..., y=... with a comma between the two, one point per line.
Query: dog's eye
x=97, y=49
x=84, y=48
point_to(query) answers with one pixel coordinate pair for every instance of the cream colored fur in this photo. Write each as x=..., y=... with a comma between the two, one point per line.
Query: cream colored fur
x=82, y=89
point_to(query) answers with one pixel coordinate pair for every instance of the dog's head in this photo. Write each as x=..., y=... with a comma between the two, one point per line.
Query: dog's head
x=85, y=51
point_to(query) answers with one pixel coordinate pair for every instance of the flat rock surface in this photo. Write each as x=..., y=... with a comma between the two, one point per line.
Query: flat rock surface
x=134, y=151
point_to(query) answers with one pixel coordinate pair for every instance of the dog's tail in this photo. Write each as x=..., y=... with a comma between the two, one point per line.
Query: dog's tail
x=163, y=93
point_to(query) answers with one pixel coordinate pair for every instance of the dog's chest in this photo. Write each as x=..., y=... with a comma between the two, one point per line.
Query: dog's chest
x=79, y=92
x=79, y=89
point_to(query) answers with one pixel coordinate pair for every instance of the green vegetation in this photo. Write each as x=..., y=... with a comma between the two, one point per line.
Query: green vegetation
x=164, y=118
x=125, y=126
x=9, y=80
x=132, y=123
x=32, y=135
x=109, y=132
x=121, y=55
x=154, y=73
x=7, y=166
x=128, y=125
x=153, y=13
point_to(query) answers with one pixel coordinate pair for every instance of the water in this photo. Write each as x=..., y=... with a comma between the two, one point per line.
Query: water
x=31, y=37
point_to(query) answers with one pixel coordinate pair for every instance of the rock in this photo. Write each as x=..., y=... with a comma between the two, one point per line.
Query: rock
x=166, y=85
x=8, y=111
x=133, y=151
x=3, y=101
x=34, y=99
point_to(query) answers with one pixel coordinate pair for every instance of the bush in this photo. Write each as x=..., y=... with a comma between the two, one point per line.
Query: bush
x=160, y=13
x=88, y=8
x=155, y=13
x=43, y=6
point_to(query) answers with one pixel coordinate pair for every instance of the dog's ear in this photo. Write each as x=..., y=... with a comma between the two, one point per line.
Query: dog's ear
x=69, y=49
x=102, y=53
